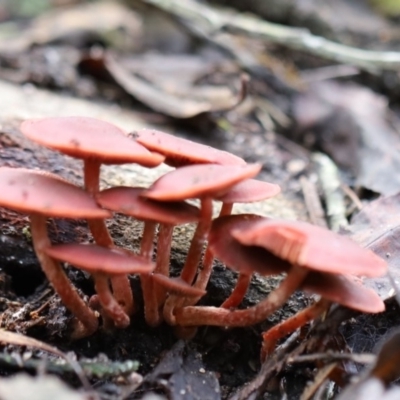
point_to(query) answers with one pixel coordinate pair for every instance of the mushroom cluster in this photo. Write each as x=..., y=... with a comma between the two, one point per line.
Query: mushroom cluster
x=311, y=258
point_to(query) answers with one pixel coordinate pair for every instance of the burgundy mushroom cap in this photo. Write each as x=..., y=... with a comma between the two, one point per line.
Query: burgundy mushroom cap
x=205, y=180
x=344, y=289
x=127, y=200
x=250, y=190
x=310, y=246
x=44, y=193
x=83, y=137
x=180, y=152
x=98, y=259
x=241, y=258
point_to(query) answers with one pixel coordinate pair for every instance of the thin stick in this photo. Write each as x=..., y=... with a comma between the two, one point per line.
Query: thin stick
x=207, y=21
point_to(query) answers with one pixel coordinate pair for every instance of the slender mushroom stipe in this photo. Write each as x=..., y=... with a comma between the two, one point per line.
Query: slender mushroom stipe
x=103, y=263
x=42, y=195
x=96, y=142
x=128, y=201
x=206, y=182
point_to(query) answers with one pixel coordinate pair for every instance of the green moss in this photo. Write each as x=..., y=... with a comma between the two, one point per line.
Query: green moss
x=387, y=7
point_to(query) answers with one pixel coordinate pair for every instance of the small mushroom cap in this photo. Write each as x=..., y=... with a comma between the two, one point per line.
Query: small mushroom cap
x=236, y=256
x=83, y=137
x=345, y=290
x=196, y=181
x=312, y=247
x=97, y=259
x=40, y=192
x=180, y=152
x=177, y=286
x=249, y=191
x=127, y=200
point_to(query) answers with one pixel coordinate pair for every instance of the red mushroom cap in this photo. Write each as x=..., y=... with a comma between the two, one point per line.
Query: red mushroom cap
x=236, y=256
x=196, y=181
x=180, y=152
x=83, y=137
x=344, y=289
x=127, y=200
x=249, y=191
x=98, y=259
x=44, y=193
x=312, y=247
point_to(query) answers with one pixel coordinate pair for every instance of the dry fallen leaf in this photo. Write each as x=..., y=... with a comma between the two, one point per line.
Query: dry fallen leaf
x=377, y=226
x=182, y=375
x=176, y=99
x=354, y=126
x=67, y=22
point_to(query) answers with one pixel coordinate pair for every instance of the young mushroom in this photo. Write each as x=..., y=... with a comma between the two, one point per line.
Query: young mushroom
x=128, y=201
x=103, y=263
x=197, y=181
x=96, y=142
x=43, y=195
x=307, y=248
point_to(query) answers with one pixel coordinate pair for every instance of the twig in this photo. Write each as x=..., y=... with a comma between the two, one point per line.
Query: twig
x=270, y=367
x=329, y=356
x=203, y=19
x=328, y=177
x=329, y=72
x=352, y=196
x=320, y=378
x=313, y=203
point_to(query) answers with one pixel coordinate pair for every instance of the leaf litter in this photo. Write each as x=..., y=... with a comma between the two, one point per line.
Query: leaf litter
x=189, y=98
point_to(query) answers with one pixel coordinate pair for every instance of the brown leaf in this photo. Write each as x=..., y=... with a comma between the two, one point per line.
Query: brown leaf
x=355, y=127
x=182, y=375
x=377, y=226
x=64, y=23
x=176, y=99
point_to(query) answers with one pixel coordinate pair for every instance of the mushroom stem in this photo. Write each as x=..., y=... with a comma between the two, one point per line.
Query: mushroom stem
x=120, y=284
x=58, y=279
x=192, y=260
x=109, y=304
x=196, y=246
x=146, y=281
x=91, y=171
x=271, y=336
x=236, y=297
x=201, y=315
x=162, y=265
x=164, y=249
x=226, y=209
x=204, y=274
